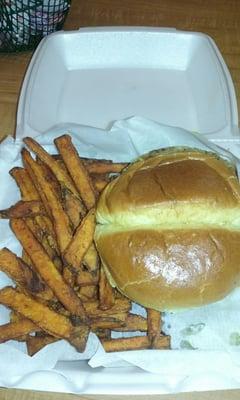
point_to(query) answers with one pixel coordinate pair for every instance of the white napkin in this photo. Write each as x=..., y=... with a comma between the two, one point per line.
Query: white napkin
x=205, y=340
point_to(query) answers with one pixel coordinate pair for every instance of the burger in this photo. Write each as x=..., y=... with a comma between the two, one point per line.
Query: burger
x=168, y=229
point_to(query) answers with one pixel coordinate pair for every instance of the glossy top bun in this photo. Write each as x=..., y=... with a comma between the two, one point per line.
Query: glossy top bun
x=168, y=229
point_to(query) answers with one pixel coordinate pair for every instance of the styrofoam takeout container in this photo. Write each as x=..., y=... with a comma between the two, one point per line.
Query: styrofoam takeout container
x=95, y=76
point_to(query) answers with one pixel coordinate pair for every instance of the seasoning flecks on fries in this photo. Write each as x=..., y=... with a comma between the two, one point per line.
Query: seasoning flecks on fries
x=61, y=289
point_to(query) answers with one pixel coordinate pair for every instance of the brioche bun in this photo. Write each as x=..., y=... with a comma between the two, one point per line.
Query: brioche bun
x=168, y=229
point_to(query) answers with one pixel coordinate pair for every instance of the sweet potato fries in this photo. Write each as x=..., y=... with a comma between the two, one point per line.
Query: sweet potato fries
x=61, y=289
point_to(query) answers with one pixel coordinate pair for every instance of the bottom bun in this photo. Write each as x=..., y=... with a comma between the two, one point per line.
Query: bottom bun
x=171, y=269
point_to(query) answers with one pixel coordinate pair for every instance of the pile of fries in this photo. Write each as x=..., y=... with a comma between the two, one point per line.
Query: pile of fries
x=61, y=288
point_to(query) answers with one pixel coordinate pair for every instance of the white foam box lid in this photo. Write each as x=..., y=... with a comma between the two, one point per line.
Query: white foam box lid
x=95, y=76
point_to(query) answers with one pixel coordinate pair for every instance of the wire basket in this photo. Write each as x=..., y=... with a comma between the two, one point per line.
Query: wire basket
x=23, y=23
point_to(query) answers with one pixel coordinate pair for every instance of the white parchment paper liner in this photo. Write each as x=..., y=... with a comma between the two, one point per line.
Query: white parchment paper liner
x=205, y=340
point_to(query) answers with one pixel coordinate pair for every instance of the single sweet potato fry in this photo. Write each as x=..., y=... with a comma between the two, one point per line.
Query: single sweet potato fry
x=15, y=330
x=46, y=268
x=106, y=323
x=27, y=279
x=103, y=333
x=77, y=170
x=72, y=202
x=50, y=200
x=36, y=343
x=12, y=266
x=154, y=325
x=30, y=165
x=120, y=306
x=23, y=209
x=81, y=241
x=133, y=343
x=106, y=292
x=47, y=233
x=109, y=322
x=43, y=224
x=73, y=206
x=78, y=339
x=15, y=317
x=59, y=172
x=124, y=344
x=41, y=315
x=43, y=236
x=46, y=226
x=96, y=166
x=133, y=323
x=25, y=184
x=51, y=178
x=79, y=336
